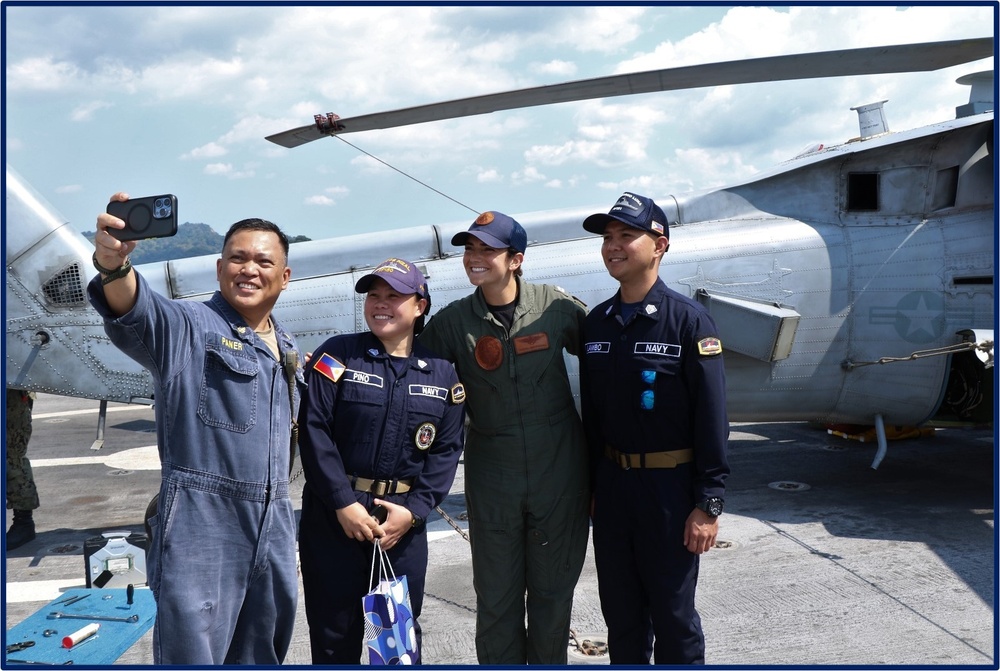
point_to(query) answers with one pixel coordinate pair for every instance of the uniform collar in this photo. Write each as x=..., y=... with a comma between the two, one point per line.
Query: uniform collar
x=375, y=351
x=525, y=300
x=649, y=307
x=240, y=327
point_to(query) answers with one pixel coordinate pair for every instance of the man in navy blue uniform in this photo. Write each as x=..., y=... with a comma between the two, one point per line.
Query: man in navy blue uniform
x=654, y=412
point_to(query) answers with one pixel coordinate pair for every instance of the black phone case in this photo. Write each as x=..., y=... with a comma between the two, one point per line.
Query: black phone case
x=149, y=217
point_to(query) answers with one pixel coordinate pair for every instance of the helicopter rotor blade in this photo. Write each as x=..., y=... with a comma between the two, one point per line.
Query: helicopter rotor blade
x=923, y=57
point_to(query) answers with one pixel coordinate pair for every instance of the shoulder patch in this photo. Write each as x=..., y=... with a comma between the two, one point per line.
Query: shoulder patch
x=330, y=368
x=458, y=394
x=709, y=346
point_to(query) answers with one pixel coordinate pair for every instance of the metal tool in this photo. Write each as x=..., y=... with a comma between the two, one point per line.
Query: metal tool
x=16, y=647
x=71, y=600
x=83, y=616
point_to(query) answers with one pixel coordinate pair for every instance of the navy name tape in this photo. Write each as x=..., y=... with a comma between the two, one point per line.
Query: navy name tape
x=363, y=378
x=657, y=348
x=426, y=390
x=597, y=348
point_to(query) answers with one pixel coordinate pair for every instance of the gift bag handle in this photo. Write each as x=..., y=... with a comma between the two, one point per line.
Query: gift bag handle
x=385, y=566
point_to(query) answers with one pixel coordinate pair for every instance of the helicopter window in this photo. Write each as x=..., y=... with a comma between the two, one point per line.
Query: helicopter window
x=862, y=191
x=66, y=288
x=984, y=280
x=945, y=188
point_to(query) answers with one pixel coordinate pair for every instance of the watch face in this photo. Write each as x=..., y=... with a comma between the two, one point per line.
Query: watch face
x=713, y=506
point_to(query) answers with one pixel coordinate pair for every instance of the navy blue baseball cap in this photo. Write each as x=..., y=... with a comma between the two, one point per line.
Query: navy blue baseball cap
x=497, y=230
x=632, y=210
x=401, y=275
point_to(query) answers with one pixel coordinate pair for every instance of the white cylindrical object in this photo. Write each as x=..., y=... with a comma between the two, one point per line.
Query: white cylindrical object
x=80, y=635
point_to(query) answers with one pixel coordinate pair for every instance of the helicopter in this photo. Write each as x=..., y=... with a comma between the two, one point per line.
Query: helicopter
x=851, y=284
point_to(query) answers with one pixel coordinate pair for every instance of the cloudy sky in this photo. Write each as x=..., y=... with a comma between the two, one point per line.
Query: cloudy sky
x=179, y=99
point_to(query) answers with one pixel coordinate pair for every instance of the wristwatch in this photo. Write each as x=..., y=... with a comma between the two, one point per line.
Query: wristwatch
x=712, y=507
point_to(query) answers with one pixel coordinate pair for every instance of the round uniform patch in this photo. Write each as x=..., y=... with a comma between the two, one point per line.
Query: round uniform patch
x=489, y=353
x=425, y=435
x=484, y=219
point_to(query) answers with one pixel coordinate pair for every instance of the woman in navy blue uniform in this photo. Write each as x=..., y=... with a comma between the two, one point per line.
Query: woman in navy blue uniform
x=381, y=423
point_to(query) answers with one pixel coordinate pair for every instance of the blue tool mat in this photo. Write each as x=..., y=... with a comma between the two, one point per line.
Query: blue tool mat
x=110, y=642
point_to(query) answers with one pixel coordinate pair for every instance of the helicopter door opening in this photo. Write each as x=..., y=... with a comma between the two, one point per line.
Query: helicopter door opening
x=968, y=394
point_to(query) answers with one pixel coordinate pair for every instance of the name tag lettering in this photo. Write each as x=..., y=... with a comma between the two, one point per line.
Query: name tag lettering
x=427, y=390
x=658, y=349
x=232, y=344
x=363, y=378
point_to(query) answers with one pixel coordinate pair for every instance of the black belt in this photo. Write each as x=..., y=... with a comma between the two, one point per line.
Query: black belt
x=668, y=459
x=381, y=487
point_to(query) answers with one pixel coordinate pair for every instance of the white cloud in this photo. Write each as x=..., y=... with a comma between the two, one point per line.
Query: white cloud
x=210, y=150
x=556, y=68
x=488, y=176
x=41, y=74
x=227, y=170
x=218, y=169
x=319, y=200
x=86, y=112
x=69, y=188
x=529, y=175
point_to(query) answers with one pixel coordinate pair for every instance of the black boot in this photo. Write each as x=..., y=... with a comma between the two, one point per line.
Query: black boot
x=22, y=530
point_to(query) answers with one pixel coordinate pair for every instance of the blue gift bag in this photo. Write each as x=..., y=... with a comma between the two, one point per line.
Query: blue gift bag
x=390, y=635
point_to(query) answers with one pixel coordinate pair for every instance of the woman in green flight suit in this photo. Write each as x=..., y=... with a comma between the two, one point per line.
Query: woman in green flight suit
x=526, y=467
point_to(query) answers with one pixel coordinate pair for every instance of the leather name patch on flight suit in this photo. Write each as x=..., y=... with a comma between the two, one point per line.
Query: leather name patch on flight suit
x=536, y=342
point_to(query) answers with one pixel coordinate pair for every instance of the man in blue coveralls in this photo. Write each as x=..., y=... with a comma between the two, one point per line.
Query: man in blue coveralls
x=654, y=412
x=222, y=553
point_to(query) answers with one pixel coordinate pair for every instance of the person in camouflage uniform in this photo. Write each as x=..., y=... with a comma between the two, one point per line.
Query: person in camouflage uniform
x=22, y=495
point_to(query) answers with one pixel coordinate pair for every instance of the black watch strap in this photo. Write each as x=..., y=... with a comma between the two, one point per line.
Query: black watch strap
x=712, y=506
x=112, y=275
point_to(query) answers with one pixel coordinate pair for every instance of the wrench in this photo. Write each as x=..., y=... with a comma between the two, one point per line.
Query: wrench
x=105, y=618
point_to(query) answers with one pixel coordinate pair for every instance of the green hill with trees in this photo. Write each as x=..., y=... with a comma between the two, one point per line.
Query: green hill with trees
x=190, y=240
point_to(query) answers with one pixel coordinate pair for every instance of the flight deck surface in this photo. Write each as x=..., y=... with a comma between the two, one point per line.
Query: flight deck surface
x=825, y=561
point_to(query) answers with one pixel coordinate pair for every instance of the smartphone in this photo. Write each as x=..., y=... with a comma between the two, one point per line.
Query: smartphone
x=380, y=513
x=149, y=217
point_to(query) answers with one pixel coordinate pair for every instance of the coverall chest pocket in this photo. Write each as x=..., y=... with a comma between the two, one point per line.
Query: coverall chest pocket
x=423, y=418
x=360, y=413
x=427, y=408
x=229, y=387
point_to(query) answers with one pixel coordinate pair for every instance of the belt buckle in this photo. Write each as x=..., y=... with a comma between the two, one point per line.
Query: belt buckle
x=624, y=461
x=379, y=487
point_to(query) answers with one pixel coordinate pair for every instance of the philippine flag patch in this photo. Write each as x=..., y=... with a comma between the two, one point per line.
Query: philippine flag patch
x=329, y=367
